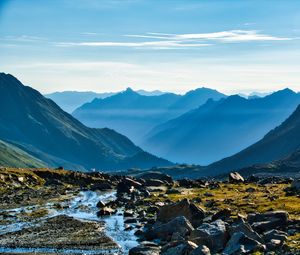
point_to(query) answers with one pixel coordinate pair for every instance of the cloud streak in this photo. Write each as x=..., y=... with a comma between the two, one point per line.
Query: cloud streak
x=181, y=41
x=223, y=36
x=150, y=44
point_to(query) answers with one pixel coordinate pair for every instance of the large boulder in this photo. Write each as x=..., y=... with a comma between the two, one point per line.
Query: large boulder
x=235, y=177
x=274, y=239
x=105, y=211
x=213, y=235
x=154, y=183
x=239, y=243
x=156, y=176
x=179, y=248
x=145, y=248
x=245, y=228
x=127, y=185
x=183, y=208
x=270, y=220
x=165, y=231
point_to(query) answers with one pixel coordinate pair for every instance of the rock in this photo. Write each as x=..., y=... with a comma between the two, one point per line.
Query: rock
x=207, y=194
x=106, y=211
x=252, y=179
x=103, y=186
x=239, y=243
x=130, y=220
x=172, y=191
x=127, y=185
x=274, y=234
x=100, y=204
x=128, y=214
x=139, y=232
x=145, y=248
x=266, y=221
x=128, y=228
x=201, y=250
x=213, y=235
x=245, y=228
x=183, y=208
x=250, y=190
x=21, y=179
x=165, y=231
x=156, y=175
x=235, y=177
x=179, y=248
x=154, y=183
x=222, y=214
x=177, y=237
x=274, y=244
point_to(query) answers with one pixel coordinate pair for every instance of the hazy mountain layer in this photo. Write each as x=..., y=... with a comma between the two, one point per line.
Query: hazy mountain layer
x=134, y=115
x=282, y=143
x=221, y=128
x=40, y=127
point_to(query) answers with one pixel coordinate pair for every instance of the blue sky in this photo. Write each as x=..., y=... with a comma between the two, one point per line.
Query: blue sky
x=171, y=45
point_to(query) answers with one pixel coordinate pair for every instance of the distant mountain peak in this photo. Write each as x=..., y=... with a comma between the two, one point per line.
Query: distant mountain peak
x=129, y=91
x=286, y=91
x=201, y=90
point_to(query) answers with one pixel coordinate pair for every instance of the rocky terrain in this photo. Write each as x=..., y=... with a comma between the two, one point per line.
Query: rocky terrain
x=54, y=211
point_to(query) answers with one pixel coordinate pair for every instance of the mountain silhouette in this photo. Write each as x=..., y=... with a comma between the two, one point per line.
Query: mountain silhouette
x=221, y=128
x=134, y=115
x=38, y=126
x=281, y=144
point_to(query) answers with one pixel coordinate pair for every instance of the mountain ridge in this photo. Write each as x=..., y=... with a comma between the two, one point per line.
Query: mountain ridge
x=218, y=129
x=38, y=126
x=134, y=115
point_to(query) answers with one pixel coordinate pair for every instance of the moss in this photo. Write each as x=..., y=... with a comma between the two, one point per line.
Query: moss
x=293, y=242
x=39, y=213
x=235, y=197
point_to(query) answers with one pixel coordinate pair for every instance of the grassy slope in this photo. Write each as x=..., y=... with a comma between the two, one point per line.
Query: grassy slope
x=11, y=156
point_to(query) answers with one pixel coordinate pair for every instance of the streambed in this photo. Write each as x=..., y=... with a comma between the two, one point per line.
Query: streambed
x=82, y=207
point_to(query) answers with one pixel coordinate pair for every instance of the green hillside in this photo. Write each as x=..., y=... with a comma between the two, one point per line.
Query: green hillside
x=11, y=156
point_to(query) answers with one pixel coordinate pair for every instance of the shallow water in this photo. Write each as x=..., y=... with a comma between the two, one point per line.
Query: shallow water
x=83, y=207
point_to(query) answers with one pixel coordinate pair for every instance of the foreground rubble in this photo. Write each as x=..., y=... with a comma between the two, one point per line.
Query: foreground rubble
x=169, y=217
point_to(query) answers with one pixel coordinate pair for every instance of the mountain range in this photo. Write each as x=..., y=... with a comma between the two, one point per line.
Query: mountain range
x=42, y=129
x=134, y=115
x=280, y=146
x=70, y=100
x=219, y=129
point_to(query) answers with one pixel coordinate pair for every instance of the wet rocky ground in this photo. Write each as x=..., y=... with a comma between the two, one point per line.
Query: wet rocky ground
x=63, y=212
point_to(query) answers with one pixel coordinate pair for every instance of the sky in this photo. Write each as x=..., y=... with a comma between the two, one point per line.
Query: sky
x=170, y=45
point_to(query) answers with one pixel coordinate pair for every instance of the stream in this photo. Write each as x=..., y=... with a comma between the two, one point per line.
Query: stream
x=82, y=207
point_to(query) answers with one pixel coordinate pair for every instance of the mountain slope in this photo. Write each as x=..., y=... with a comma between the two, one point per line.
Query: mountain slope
x=40, y=127
x=221, y=128
x=134, y=115
x=11, y=156
x=282, y=143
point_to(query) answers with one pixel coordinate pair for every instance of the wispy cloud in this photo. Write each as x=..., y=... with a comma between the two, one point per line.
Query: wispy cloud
x=148, y=44
x=223, y=36
x=181, y=41
x=24, y=38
